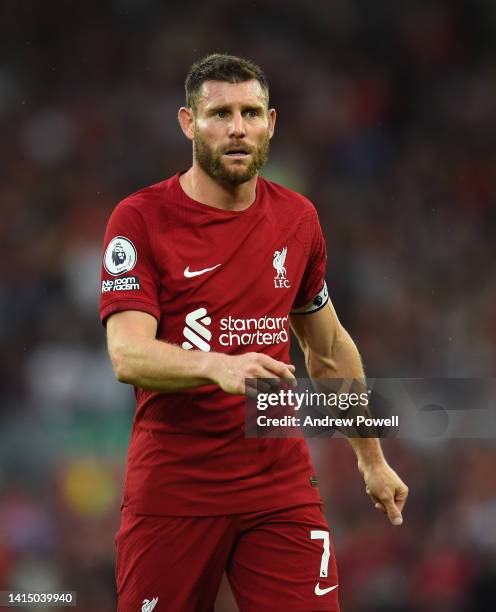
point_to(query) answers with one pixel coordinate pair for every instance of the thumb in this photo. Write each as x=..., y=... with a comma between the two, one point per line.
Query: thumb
x=393, y=512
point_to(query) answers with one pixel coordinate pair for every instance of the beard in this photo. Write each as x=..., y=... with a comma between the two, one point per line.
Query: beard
x=216, y=166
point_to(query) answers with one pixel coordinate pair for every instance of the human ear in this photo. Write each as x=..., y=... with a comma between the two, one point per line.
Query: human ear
x=186, y=121
x=272, y=121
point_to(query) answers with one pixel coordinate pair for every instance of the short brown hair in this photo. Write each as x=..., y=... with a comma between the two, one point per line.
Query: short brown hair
x=221, y=67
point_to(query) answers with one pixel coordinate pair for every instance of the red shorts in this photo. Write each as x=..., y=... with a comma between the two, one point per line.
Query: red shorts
x=274, y=560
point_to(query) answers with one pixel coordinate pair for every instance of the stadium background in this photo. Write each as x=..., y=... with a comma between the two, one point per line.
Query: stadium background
x=387, y=120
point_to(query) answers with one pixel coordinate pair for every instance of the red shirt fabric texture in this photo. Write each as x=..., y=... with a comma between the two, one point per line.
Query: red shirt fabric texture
x=222, y=281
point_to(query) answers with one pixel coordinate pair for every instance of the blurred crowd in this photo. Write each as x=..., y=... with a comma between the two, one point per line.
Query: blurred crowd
x=387, y=121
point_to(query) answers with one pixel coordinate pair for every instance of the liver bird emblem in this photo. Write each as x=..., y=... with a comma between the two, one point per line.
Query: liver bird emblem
x=149, y=604
x=278, y=263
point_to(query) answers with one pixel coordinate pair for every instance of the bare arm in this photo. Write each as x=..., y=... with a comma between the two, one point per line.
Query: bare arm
x=140, y=359
x=331, y=353
x=328, y=348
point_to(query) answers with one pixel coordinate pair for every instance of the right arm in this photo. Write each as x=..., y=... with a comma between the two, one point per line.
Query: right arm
x=140, y=359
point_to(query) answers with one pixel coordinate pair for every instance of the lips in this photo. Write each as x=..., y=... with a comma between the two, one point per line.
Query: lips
x=237, y=152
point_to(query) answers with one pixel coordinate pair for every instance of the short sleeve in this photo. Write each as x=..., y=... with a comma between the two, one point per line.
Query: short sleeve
x=312, y=287
x=130, y=279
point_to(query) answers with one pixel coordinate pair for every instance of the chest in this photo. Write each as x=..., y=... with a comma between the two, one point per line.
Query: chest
x=248, y=267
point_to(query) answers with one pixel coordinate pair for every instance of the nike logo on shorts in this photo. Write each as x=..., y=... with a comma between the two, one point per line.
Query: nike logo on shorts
x=320, y=592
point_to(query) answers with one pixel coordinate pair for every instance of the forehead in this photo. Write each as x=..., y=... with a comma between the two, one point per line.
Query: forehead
x=220, y=93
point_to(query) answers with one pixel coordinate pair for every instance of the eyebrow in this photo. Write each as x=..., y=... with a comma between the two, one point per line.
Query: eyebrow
x=244, y=107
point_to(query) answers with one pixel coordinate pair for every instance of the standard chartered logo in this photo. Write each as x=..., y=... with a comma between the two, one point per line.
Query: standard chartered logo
x=243, y=332
x=261, y=331
x=196, y=332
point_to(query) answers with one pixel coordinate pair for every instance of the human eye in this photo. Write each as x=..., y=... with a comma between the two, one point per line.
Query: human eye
x=221, y=114
x=252, y=113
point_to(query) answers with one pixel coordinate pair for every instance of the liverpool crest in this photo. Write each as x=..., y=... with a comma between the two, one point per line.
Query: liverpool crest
x=280, y=280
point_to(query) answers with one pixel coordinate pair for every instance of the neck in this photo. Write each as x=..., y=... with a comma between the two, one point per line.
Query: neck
x=199, y=186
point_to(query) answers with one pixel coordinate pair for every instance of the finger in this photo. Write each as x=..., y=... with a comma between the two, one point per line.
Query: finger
x=285, y=372
x=257, y=385
x=266, y=370
x=374, y=500
x=289, y=383
x=372, y=496
x=260, y=380
x=393, y=512
x=267, y=379
x=251, y=391
x=282, y=370
x=400, y=498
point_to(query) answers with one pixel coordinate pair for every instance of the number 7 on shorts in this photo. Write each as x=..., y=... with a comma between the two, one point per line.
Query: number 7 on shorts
x=317, y=534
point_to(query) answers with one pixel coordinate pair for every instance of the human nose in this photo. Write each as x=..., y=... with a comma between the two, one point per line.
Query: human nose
x=237, y=126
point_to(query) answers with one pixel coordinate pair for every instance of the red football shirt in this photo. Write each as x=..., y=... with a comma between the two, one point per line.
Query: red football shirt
x=221, y=281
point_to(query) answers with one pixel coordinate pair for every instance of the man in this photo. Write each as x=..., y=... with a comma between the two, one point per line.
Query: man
x=218, y=263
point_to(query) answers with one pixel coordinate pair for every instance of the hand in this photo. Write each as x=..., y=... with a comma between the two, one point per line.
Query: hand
x=230, y=371
x=386, y=489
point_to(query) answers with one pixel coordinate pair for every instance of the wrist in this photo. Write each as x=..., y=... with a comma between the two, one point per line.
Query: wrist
x=367, y=466
x=210, y=365
x=368, y=452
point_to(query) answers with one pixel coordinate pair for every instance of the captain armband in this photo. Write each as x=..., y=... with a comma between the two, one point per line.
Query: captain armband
x=318, y=302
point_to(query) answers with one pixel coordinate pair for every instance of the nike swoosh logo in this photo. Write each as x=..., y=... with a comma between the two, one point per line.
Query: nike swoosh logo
x=189, y=274
x=320, y=592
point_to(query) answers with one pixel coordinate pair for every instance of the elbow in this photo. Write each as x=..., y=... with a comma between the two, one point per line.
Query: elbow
x=121, y=365
x=123, y=375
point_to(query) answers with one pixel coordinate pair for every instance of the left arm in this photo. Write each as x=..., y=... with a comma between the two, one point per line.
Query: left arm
x=331, y=353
